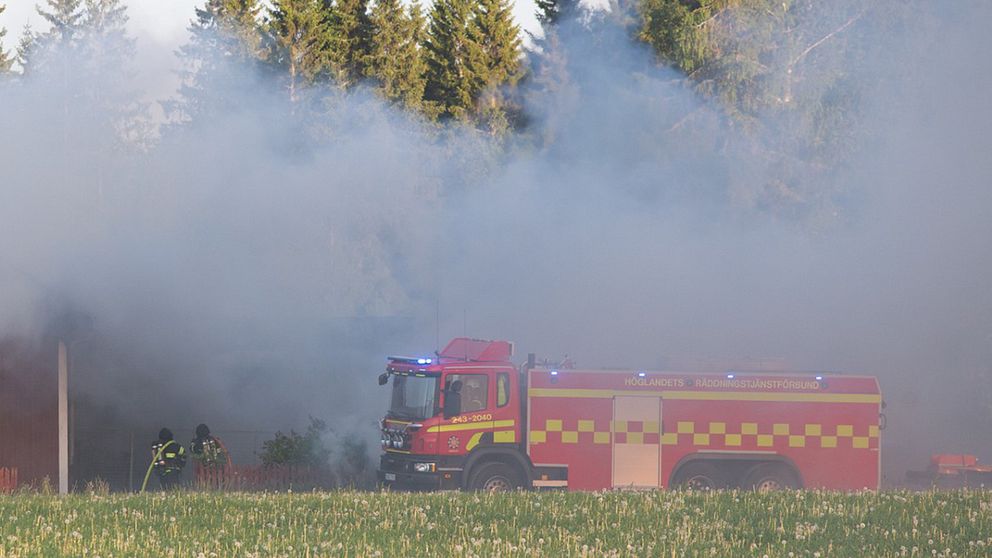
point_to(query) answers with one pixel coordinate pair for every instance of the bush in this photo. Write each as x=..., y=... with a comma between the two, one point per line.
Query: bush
x=305, y=449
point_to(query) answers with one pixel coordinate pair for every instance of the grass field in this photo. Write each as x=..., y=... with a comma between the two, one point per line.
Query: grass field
x=527, y=524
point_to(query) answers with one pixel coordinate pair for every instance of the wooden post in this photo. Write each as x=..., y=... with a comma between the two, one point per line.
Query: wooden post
x=63, y=419
x=130, y=462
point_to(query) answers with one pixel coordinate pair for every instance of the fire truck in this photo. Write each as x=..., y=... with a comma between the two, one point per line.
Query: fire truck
x=468, y=418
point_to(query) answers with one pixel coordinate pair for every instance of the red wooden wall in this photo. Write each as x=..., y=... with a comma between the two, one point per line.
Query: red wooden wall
x=29, y=409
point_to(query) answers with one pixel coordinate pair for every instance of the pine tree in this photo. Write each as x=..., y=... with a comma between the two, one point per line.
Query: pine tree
x=450, y=86
x=220, y=59
x=300, y=43
x=6, y=61
x=395, y=61
x=352, y=30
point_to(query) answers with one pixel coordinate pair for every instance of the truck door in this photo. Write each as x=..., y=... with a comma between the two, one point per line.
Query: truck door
x=636, y=441
x=463, y=432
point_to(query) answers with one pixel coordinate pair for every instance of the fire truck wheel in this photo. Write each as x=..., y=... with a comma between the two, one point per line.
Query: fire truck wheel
x=495, y=477
x=701, y=476
x=767, y=477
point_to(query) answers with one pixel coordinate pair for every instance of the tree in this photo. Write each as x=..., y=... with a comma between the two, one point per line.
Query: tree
x=60, y=44
x=550, y=12
x=449, y=86
x=25, y=48
x=493, y=61
x=220, y=60
x=300, y=41
x=107, y=51
x=78, y=78
x=395, y=61
x=473, y=50
x=781, y=71
x=676, y=30
x=352, y=29
x=6, y=61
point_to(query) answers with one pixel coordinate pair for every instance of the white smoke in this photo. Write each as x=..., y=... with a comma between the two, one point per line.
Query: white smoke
x=239, y=274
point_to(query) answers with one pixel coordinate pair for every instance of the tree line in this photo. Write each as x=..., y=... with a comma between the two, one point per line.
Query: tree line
x=461, y=59
x=787, y=77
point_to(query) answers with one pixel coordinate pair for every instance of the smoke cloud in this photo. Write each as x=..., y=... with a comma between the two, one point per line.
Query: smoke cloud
x=237, y=275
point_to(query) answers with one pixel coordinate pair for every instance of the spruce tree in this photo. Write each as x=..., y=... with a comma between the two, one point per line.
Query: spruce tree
x=220, y=59
x=108, y=51
x=450, y=86
x=494, y=62
x=495, y=45
x=92, y=113
x=25, y=48
x=300, y=43
x=550, y=12
x=6, y=61
x=60, y=44
x=352, y=29
x=395, y=62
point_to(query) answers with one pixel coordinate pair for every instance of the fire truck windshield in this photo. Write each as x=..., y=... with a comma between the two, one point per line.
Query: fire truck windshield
x=414, y=397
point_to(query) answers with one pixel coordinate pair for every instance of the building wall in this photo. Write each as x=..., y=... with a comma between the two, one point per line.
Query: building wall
x=29, y=409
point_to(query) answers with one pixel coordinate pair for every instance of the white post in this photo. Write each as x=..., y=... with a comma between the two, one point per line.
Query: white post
x=63, y=419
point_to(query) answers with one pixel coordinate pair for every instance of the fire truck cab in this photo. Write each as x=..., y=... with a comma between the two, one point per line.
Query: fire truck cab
x=467, y=418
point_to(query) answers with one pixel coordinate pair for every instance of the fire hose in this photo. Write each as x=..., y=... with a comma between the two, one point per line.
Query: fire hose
x=151, y=465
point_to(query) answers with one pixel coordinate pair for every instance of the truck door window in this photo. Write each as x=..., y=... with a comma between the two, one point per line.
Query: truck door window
x=502, y=389
x=474, y=392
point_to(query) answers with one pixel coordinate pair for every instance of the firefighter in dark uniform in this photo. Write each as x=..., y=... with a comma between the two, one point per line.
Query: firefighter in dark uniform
x=208, y=451
x=168, y=459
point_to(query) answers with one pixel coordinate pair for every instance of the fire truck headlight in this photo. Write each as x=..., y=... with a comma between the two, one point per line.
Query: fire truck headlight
x=424, y=467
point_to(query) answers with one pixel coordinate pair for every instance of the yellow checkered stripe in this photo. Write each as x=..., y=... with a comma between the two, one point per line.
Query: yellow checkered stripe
x=711, y=434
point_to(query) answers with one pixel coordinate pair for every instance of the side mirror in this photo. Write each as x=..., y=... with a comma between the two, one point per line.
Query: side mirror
x=383, y=378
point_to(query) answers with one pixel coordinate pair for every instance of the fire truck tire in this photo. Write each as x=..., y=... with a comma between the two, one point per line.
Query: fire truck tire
x=701, y=475
x=768, y=477
x=495, y=477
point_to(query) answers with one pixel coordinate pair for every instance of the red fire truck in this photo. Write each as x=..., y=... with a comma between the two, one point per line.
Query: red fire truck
x=467, y=418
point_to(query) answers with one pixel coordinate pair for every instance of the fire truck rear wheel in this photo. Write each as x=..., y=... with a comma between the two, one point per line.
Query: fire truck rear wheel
x=768, y=477
x=701, y=476
x=495, y=477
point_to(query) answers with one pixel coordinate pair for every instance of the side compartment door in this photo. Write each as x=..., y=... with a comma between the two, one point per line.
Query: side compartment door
x=636, y=441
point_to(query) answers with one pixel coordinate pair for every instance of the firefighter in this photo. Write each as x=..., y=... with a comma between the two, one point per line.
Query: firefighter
x=168, y=460
x=207, y=450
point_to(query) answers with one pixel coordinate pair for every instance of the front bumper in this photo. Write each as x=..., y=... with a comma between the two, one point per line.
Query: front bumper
x=396, y=472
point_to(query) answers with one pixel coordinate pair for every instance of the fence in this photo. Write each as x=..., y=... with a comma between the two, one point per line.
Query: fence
x=8, y=479
x=261, y=477
x=120, y=457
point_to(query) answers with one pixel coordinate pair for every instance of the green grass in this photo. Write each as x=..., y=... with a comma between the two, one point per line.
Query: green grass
x=539, y=524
